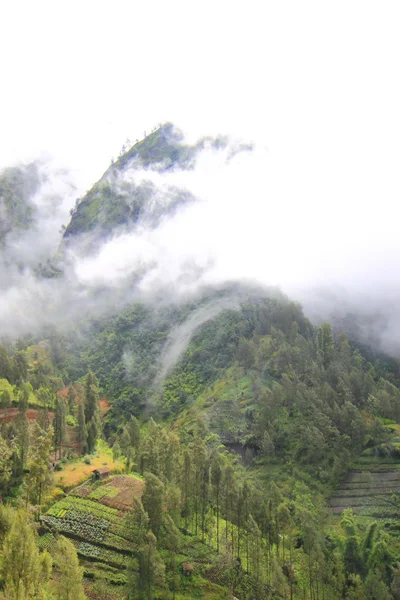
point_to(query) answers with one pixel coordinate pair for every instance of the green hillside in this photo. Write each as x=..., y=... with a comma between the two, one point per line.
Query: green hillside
x=224, y=446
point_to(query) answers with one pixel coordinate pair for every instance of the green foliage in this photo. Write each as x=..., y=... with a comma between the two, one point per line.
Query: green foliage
x=17, y=186
x=23, y=569
x=69, y=583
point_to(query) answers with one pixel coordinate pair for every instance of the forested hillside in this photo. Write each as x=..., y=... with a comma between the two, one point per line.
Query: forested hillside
x=212, y=444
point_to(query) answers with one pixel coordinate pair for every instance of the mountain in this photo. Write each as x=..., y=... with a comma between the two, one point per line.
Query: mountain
x=126, y=197
x=250, y=437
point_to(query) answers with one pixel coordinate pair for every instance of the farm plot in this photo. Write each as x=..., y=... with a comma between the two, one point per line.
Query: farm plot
x=117, y=492
x=367, y=493
x=93, y=516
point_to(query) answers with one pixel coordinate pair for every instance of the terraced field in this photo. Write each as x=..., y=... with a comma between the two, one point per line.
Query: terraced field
x=368, y=492
x=372, y=488
x=93, y=517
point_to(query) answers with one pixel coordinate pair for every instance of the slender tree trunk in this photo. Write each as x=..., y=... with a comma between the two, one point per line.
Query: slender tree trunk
x=218, y=518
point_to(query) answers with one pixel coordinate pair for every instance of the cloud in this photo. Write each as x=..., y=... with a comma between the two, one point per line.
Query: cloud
x=234, y=216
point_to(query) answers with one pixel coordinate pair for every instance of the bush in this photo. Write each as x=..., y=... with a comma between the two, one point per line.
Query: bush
x=87, y=460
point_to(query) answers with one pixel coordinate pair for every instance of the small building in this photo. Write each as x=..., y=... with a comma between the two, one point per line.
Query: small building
x=101, y=473
x=187, y=569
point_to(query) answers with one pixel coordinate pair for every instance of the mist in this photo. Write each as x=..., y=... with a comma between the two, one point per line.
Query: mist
x=232, y=216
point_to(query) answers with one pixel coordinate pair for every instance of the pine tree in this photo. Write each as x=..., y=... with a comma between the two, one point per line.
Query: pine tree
x=22, y=443
x=22, y=568
x=71, y=400
x=60, y=425
x=134, y=432
x=216, y=481
x=82, y=431
x=186, y=486
x=92, y=417
x=153, y=501
x=6, y=450
x=69, y=584
x=40, y=478
x=146, y=568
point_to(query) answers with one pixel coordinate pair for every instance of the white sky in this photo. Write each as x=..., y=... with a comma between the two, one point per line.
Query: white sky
x=317, y=83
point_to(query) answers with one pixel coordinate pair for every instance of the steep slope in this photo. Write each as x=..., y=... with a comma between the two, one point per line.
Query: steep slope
x=17, y=186
x=126, y=196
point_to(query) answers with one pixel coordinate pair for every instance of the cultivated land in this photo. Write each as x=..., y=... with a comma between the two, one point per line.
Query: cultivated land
x=93, y=516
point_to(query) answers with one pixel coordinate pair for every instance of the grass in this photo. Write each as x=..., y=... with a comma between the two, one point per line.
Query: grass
x=77, y=471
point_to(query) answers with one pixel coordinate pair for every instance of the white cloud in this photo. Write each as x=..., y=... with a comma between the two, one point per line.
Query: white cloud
x=314, y=84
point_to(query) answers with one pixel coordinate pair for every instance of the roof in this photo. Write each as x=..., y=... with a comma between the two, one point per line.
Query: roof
x=101, y=470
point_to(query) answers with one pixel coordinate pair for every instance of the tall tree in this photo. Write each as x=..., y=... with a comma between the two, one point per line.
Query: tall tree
x=216, y=481
x=82, y=430
x=146, y=568
x=60, y=425
x=71, y=400
x=6, y=451
x=40, y=478
x=92, y=416
x=325, y=344
x=69, y=583
x=23, y=569
x=153, y=501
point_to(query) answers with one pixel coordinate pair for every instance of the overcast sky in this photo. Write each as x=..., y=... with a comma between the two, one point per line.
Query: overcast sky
x=315, y=84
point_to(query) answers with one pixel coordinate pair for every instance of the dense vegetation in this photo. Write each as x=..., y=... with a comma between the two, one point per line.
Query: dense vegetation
x=17, y=186
x=245, y=452
x=265, y=415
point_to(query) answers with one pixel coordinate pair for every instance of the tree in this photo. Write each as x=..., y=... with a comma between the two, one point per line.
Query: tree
x=71, y=400
x=153, y=501
x=23, y=397
x=82, y=431
x=376, y=588
x=325, y=344
x=186, y=486
x=116, y=450
x=23, y=569
x=134, y=432
x=40, y=478
x=6, y=450
x=150, y=569
x=137, y=523
x=246, y=353
x=60, y=425
x=92, y=417
x=216, y=480
x=22, y=443
x=146, y=568
x=19, y=366
x=172, y=544
x=69, y=584
x=5, y=364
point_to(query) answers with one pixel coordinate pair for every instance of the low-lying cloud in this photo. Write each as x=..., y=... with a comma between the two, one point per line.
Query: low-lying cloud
x=236, y=215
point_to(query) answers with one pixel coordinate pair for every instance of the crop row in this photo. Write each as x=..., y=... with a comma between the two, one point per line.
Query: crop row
x=116, y=541
x=395, y=485
x=363, y=501
x=356, y=493
x=93, y=530
x=110, y=557
x=104, y=490
x=78, y=528
x=87, y=506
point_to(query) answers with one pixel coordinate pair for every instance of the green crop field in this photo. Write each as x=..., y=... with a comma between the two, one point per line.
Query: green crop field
x=93, y=516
